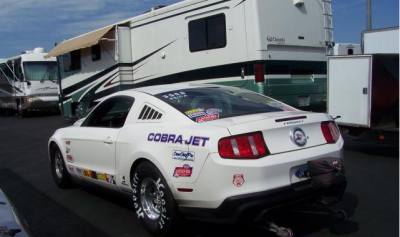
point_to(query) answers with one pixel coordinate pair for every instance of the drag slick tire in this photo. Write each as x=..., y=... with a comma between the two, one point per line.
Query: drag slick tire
x=153, y=201
x=58, y=169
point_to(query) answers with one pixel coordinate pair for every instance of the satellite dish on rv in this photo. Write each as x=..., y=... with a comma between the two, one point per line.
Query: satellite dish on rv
x=39, y=50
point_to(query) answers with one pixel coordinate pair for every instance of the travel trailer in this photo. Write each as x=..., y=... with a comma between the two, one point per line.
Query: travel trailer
x=28, y=82
x=274, y=47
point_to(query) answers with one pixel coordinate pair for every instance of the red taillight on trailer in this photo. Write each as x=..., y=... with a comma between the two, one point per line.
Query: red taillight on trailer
x=245, y=146
x=330, y=131
x=259, y=73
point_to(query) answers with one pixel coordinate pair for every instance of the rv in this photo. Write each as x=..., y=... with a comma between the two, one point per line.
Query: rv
x=28, y=82
x=274, y=47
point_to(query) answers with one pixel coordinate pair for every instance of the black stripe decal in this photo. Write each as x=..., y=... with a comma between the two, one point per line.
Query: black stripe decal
x=239, y=3
x=178, y=14
x=278, y=67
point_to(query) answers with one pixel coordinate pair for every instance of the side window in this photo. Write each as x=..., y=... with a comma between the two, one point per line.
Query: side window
x=112, y=113
x=207, y=33
x=96, y=52
x=72, y=61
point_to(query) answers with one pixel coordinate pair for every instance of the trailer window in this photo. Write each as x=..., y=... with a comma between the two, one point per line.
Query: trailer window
x=207, y=33
x=72, y=61
x=96, y=52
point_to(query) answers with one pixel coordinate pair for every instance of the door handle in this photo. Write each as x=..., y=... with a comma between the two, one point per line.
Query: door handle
x=108, y=141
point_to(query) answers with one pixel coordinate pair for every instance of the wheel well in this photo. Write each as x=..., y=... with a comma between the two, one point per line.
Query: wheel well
x=52, y=143
x=136, y=164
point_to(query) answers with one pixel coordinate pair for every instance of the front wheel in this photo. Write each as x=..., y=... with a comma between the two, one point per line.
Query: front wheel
x=58, y=169
x=153, y=201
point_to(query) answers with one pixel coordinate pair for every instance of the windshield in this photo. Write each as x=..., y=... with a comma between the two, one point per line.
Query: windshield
x=40, y=71
x=206, y=104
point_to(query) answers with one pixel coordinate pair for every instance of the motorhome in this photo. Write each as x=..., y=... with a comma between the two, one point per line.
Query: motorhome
x=274, y=47
x=29, y=82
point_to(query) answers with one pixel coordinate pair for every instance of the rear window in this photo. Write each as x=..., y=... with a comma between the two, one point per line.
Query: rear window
x=206, y=104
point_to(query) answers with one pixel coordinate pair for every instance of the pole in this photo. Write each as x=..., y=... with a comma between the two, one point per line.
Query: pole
x=369, y=15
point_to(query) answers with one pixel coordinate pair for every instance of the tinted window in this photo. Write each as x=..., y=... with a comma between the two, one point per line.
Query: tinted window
x=72, y=61
x=207, y=33
x=96, y=52
x=205, y=104
x=111, y=113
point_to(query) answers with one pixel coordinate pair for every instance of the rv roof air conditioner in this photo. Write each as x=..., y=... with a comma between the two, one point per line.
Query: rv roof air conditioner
x=298, y=3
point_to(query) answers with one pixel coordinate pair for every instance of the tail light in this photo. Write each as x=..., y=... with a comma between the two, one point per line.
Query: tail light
x=259, y=73
x=330, y=131
x=245, y=146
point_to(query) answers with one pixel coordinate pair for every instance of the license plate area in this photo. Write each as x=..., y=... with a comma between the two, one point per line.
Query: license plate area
x=299, y=173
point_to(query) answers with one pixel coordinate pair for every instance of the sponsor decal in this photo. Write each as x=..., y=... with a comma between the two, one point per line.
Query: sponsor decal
x=177, y=139
x=101, y=176
x=208, y=117
x=299, y=137
x=79, y=171
x=195, y=113
x=238, y=180
x=185, y=171
x=293, y=122
x=183, y=155
x=123, y=181
x=68, y=150
x=70, y=159
x=71, y=168
x=175, y=96
x=68, y=142
x=214, y=111
x=97, y=175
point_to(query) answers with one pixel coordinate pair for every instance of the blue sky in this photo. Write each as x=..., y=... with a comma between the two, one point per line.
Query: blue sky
x=26, y=24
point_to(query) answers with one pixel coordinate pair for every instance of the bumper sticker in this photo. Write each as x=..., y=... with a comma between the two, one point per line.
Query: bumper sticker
x=238, y=180
x=183, y=155
x=185, y=171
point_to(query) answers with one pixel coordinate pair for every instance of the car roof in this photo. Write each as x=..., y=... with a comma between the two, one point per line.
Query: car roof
x=153, y=90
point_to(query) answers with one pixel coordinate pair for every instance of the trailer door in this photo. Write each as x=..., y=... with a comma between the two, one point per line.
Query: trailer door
x=125, y=55
x=349, y=90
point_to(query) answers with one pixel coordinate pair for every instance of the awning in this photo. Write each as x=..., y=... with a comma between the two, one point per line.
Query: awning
x=80, y=42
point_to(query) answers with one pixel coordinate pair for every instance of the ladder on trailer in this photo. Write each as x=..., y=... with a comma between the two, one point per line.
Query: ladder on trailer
x=328, y=26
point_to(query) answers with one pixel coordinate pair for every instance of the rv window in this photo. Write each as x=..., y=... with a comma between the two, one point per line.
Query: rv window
x=72, y=61
x=96, y=52
x=207, y=33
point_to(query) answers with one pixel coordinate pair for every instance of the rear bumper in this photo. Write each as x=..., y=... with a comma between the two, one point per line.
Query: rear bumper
x=248, y=205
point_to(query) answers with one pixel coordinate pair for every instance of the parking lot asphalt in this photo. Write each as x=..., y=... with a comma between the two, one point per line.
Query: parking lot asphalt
x=371, y=199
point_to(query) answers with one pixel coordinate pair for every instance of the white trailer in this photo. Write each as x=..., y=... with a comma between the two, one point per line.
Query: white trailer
x=275, y=47
x=385, y=40
x=364, y=91
x=346, y=49
x=29, y=82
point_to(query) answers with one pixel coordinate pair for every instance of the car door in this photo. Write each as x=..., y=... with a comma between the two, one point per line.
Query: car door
x=94, y=144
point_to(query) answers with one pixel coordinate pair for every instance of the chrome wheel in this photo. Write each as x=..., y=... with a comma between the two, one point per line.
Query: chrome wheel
x=150, y=196
x=59, y=165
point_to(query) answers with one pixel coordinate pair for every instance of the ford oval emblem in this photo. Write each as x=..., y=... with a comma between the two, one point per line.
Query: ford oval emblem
x=298, y=136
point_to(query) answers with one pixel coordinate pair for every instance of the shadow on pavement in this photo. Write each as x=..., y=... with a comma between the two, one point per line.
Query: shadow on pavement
x=44, y=216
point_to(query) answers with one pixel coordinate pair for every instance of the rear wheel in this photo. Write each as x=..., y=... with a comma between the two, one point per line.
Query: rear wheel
x=58, y=169
x=153, y=201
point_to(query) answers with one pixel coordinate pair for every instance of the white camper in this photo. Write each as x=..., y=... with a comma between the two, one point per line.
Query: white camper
x=275, y=47
x=29, y=82
x=341, y=49
x=384, y=40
